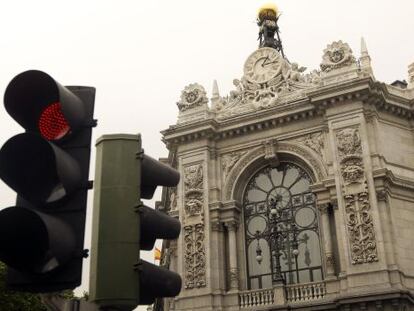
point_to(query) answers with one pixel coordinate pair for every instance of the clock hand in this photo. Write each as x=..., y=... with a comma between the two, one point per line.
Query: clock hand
x=264, y=62
x=272, y=62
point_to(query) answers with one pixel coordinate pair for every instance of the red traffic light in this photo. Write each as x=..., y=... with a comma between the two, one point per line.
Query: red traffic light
x=41, y=105
x=52, y=123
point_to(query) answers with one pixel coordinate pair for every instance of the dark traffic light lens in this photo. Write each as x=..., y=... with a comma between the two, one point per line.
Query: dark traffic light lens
x=52, y=123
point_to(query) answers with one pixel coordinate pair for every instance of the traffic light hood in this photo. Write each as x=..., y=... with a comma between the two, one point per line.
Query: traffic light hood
x=38, y=170
x=153, y=174
x=32, y=93
x=34, y=241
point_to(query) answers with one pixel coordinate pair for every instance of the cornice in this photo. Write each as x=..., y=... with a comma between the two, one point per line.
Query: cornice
x=365, y=90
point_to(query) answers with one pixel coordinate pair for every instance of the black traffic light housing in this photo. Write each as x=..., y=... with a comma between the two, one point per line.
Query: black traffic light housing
x=41, y=237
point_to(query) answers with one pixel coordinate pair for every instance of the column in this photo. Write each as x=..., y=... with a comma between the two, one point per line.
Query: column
x=327, y=238
x=233, y=270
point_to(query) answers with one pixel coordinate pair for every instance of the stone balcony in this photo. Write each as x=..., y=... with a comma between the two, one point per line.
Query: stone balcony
x=281, y=295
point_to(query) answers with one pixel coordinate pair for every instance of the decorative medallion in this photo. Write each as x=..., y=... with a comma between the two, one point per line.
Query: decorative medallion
x=192, y=96
x=337, y=55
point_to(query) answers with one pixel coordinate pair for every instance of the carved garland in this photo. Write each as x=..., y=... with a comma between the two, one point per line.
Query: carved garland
x=359, y=223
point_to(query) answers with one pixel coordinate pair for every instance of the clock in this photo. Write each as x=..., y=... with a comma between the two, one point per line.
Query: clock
x=263, y=65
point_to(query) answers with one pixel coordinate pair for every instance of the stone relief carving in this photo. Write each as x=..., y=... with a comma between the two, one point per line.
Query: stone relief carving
x=288, y=84
x=270, y=148
x=194, y=257
x=382, y=195
x=315, y=141
x=173, y=199
x=193, y=95
x=193, y=177
x=360, y=228
x=229, y=160
x=194, y=202
x=352, y=170
x=234, y=278
x=330, y=260
x=193, y=190
x=349, y=142
x=337, y=55
x=350, y=155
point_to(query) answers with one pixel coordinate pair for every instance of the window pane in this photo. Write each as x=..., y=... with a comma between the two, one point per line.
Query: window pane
x=256, y=268
x=292, y=231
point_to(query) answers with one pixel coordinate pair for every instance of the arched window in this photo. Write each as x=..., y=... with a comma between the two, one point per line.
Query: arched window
x=280, y=218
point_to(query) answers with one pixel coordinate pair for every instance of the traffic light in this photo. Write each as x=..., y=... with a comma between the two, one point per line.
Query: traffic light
x=41, y=237
x=123, y=225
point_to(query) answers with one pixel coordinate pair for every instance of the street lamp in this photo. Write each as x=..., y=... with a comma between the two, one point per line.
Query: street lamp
x=283, y=237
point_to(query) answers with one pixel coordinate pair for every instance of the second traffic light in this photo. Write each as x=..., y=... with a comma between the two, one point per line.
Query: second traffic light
x=122, y=225
x=41, y=237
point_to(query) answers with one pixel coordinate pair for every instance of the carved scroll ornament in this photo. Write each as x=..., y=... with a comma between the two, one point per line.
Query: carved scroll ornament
x=360, y=228
x=194, y=257
x=359, y=222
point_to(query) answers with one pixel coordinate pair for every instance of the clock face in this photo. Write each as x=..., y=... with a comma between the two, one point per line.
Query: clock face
x=262, y=65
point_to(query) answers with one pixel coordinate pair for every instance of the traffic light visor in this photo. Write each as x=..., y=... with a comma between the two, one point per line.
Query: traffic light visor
x=40, y=104
x=37, y=170
x=33, y=241
x=155, y=173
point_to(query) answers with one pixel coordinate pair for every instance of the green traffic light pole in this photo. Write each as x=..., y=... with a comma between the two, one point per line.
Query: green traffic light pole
x=113, y=283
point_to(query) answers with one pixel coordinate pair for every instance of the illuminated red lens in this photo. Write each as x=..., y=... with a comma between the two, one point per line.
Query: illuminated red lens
x=52, y=123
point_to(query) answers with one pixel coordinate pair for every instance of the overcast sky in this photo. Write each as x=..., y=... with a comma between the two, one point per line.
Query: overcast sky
x=140, y=54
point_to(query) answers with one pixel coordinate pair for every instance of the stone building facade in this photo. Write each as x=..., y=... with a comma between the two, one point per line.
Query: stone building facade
x=332, y=150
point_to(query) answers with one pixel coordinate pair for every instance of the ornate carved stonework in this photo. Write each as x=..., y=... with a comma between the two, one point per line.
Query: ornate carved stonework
x=337, y=55
x=193, y=95
x=229, y=160
x=315, y=141
x=173, y=199
x=323, y=208
x=303, y=153
x=193, y=190
x=194, y=257
x=361, y=232
x=270, y=146
x=268, y=81
x=234, y=278
x=349, y=142
x=352, y=170
x=382, y=195
x=330, y=260
x=350, y=155
x=360, y=228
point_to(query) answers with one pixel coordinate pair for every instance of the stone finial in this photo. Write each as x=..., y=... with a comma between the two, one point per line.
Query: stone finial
x=215, y=92
x=411, y=76
x=365, y=59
